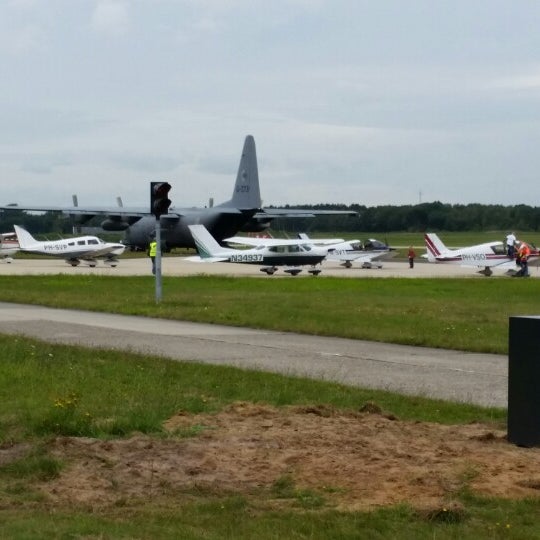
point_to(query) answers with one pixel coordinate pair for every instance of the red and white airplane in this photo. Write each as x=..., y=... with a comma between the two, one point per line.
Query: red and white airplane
x=485, y=256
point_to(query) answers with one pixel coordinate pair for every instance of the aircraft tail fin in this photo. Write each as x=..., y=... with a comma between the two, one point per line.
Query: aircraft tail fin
x=26, y=240
x=246, y=194
x=435, y=246
x=206, y=244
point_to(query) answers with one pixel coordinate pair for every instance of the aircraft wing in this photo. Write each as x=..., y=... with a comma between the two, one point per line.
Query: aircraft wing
x=299, y=212
x=94, y=253
x=111, y=211
x=360, y=256
x=267, y=242
x=196, y=258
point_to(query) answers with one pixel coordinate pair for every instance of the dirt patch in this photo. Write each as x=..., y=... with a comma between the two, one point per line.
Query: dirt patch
x=356, y=460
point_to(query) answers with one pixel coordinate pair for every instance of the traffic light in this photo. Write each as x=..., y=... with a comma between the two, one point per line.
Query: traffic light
x=159, y=200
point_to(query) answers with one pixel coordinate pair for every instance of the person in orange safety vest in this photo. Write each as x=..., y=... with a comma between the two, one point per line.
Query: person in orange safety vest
x=523, y=254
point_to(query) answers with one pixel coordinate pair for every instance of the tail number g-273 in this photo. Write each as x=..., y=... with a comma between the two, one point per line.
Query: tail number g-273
x=247, y=258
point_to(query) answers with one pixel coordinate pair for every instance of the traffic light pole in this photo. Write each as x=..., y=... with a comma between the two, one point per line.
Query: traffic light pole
x=158, y=260
x=159, y=205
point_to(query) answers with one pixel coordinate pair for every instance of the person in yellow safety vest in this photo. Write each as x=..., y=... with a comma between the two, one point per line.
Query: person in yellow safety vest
x=524, y=252
x=152, y=250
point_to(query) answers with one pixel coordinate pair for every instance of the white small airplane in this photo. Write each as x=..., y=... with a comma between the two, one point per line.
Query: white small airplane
x=73, y=250
x=267, y=252
x=486, y=256
x=368, y=254
x=8, y=246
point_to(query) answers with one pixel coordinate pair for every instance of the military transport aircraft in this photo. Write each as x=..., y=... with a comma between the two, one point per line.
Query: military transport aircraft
x=73, y=250
x=487, y=256
x=289, y=253
x=8, y=246
x=242, y=212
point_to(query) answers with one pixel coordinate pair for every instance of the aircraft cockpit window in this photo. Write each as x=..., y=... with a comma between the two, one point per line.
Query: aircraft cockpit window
x=498, y=250
x=93, y=241
x=357, y=246
x=81, y=242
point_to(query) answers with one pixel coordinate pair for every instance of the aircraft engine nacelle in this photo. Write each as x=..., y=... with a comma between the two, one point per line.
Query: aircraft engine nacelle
x=114, y=225
x=257, y=225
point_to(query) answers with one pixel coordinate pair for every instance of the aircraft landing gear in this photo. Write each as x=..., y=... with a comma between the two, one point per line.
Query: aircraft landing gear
x=293, y=271
x=270, y=270
x=487, y=271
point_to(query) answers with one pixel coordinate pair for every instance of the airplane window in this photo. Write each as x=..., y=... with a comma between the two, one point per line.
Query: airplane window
x=93, y=241
x=71, y=243
x=498, y=249
x=81, y=242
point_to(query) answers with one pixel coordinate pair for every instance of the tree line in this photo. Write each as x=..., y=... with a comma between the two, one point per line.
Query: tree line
x=434, y=216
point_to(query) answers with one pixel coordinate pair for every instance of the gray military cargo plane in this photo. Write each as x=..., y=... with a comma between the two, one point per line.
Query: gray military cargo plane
x=242, y=212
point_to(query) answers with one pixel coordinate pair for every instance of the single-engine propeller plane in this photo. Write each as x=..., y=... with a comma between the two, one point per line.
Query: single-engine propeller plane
x=73, y=250
x=243, y=211
x=486, y=256
x=369, y=254
x=270, y=254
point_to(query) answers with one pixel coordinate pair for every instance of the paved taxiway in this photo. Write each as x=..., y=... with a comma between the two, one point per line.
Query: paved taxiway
x=451, y=375
x=179, y=266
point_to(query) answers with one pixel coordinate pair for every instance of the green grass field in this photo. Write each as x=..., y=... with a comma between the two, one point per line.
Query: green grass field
x=50, y=391
x=446, y=313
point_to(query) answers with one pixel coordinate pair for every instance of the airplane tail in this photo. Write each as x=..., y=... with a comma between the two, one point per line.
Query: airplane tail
x=434, y=245
x=206, y=244
x=246, y=194
x=26, y=240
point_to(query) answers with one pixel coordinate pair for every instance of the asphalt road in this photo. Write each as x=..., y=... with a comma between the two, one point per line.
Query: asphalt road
x=450, y=375
x=458, y=376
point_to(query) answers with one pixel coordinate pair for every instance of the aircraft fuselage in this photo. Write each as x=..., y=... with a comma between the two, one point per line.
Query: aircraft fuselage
x=175, y=232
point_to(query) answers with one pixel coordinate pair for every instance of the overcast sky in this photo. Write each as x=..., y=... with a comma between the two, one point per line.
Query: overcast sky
x=350, y=101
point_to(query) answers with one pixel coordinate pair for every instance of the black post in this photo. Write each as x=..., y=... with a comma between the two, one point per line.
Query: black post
x=524, y=381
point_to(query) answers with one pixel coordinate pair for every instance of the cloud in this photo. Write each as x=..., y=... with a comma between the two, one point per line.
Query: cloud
x=111, y=17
